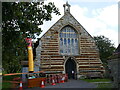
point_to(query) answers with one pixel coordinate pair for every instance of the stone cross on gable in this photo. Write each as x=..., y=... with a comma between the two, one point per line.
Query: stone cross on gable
x=66, y=8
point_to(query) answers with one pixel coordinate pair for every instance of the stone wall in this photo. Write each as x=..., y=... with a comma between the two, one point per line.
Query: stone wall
x=51, y=60
x=114, y=66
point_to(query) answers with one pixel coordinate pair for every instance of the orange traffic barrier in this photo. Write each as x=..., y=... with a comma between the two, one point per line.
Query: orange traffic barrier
x=17, y=78
x=21, y=73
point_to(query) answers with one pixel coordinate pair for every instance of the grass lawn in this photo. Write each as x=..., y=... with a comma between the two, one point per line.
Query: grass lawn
x=101, y=83
x=105, y=85
x=97, y=80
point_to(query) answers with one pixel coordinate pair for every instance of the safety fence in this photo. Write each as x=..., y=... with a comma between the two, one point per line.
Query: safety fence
x=12, y=80
x=49, y=79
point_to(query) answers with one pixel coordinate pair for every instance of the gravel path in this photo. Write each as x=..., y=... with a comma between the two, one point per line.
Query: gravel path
x=70, y=84
x=73, y=84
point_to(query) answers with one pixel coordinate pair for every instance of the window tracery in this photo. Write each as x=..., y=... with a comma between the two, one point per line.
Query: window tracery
x=68, y=41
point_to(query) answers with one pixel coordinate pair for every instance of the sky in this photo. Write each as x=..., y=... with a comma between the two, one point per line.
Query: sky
x=98, y=17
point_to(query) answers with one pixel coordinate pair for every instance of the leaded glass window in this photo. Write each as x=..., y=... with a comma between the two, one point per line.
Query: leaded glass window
x=68, y=41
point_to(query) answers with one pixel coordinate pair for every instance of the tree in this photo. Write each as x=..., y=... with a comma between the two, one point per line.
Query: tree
x=20, y=20
x=106, y=48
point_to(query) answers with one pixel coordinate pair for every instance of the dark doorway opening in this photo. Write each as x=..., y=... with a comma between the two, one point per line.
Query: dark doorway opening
x=70, y=68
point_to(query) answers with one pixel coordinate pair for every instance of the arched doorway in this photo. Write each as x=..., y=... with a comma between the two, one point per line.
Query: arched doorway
x=70, y=68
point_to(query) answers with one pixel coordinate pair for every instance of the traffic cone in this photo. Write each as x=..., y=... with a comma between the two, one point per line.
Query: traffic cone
x=55, y=79
x=42, y=84
x=20, y=88
x=63, y=78
x=66, y=77
x=53, y=82
x=58, y=79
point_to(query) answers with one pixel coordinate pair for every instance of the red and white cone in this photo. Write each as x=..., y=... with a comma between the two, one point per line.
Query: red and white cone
x=59, y=79
x=55, y=79
x=63, y=78
x=42, y=84
x=53, y=82
x=20, y=88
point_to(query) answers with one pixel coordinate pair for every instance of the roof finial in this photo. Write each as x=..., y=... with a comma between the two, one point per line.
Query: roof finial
x=66, y=8
x=67, y=3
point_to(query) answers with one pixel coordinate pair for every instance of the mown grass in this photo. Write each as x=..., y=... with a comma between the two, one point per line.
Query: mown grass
x=101, y=84
x=97, y=80
x=105, y=85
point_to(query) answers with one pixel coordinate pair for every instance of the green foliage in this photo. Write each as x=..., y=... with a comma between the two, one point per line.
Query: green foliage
x=20, y=20
x=26, y=16
x=101, y=83
x=6, y=85
x=106, y=48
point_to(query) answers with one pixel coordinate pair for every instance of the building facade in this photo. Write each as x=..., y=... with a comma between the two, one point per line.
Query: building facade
x=114, y=65
x=68, y=48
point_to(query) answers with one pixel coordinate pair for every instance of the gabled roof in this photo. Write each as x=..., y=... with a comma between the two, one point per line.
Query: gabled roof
x=118, y=49
x=116, y=54
x=67, y=19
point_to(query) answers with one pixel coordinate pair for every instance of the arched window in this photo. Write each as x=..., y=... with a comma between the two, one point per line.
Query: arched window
x=68, y=41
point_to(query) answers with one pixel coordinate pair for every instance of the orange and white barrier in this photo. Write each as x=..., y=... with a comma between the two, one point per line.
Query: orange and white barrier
x=20, y=73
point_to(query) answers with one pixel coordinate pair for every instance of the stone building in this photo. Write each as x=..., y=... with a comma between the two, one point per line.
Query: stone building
x=68, y=48
x=114, y=65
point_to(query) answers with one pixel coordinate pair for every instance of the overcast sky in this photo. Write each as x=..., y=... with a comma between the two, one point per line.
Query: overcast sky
x=98, y=17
